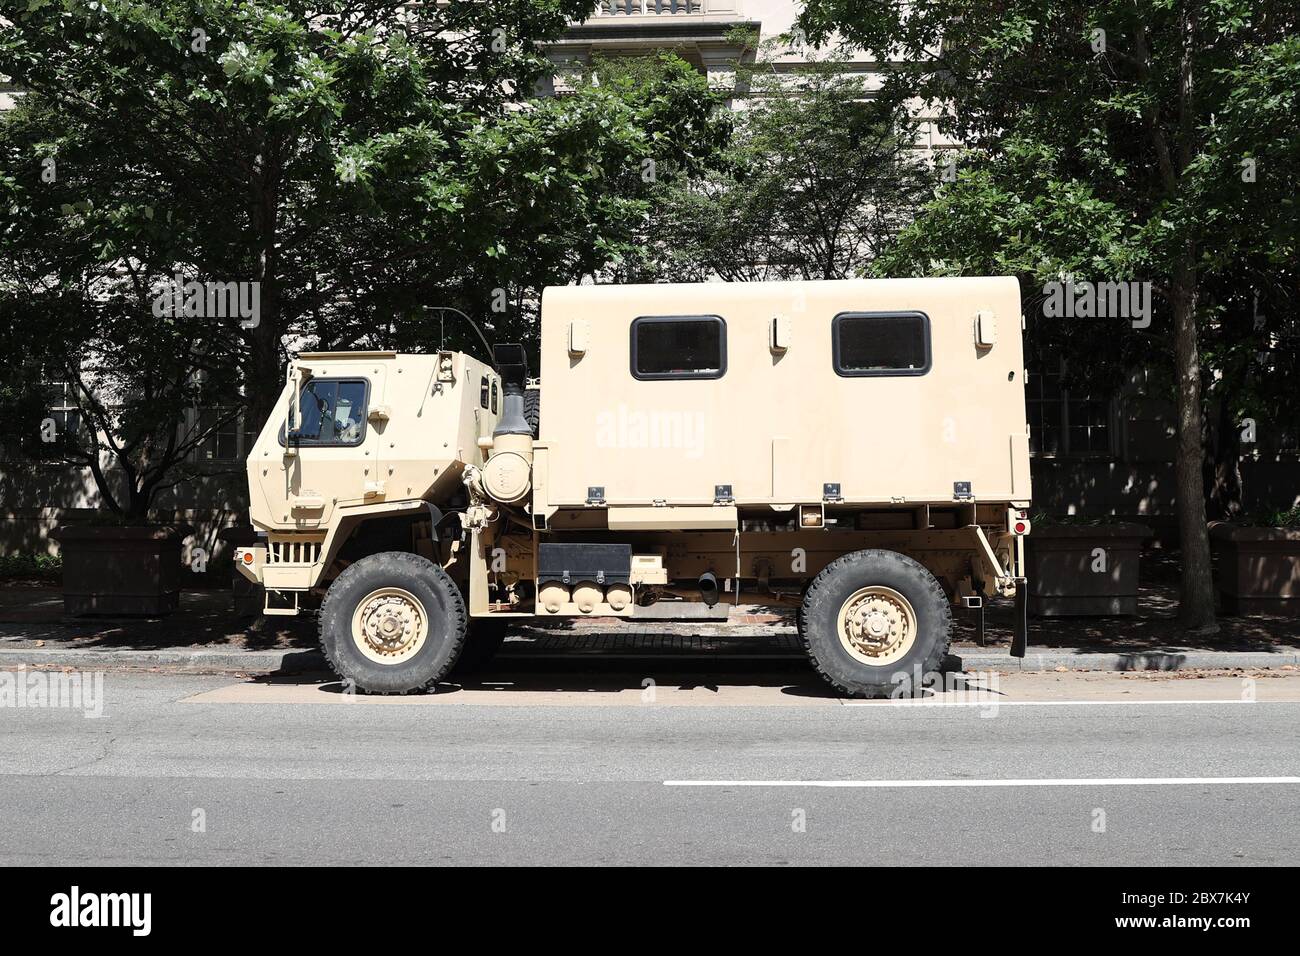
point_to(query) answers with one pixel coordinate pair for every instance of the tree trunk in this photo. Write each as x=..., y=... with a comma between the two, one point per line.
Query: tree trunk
x=1223, y=464
x=263, y=379
x=1197, y=600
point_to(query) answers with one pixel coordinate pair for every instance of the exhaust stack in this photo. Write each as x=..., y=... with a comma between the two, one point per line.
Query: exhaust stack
x=507, y=476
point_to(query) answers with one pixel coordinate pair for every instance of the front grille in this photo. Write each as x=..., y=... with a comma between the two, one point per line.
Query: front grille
x=296, y=550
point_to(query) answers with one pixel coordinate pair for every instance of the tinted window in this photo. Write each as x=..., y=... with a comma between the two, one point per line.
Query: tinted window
x=333, y=412
x=679, y=346
x=881, y=343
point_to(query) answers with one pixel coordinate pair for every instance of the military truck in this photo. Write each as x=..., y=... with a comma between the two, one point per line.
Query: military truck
x=854, y=450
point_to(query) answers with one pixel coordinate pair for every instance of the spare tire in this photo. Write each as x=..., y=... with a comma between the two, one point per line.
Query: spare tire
x=533, y=410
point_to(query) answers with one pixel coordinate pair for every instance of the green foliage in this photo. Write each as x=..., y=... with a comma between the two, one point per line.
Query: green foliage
x=1276, y=518
x=40, y=567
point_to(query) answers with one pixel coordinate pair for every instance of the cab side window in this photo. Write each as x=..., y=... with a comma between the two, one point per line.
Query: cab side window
x=679, y=346
x=333, y=412
x=881, y=343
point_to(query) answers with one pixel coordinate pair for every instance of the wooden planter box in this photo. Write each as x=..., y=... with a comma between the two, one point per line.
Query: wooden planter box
x=1061, y=561
x=108, y=570
x=1259, y=569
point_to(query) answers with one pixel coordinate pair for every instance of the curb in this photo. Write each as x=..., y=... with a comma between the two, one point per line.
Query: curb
x=1130, y=661
x=297, y=661
x=292, y=661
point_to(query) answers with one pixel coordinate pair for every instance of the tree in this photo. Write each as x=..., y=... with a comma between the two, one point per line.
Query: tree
x=1095, y=142
x=816, y=181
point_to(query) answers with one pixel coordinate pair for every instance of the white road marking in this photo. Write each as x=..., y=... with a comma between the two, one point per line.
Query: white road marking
x=1068, y=782
x=987, y=701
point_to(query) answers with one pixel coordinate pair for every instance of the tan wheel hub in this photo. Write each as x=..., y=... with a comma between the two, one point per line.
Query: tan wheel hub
x=389, y=626
x=877, y=625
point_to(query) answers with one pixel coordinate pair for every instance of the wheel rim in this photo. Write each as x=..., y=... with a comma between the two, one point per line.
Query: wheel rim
x=389, y=626
x=877, y=625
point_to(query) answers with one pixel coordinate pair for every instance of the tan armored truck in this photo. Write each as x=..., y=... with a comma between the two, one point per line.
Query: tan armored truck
x=856, y=449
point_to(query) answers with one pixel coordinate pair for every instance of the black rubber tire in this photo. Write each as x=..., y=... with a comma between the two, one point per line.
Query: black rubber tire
x=444, y=608
x=819, y=628
x=484, y=640
x=533, y=410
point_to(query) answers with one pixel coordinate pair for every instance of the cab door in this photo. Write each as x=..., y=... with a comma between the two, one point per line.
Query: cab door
x=335, y=458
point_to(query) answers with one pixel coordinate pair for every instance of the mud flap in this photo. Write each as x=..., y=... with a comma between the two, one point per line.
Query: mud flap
x=1020, y=637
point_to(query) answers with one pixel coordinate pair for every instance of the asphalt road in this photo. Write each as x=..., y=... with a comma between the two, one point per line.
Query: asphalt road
x=739, y=769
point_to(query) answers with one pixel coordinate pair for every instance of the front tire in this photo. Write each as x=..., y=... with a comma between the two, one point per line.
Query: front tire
x=393, y=623
x=875, y=621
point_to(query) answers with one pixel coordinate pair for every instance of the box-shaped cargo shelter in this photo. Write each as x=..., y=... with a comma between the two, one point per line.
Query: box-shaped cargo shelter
x=872, y=392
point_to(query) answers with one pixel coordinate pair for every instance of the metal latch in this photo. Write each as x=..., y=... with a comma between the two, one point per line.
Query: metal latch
x=722, y=495
x=831, y=491
x=595, y=494
x=961, y=490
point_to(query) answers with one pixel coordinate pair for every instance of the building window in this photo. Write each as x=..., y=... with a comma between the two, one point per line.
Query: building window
x=223, y=443
x=881, y=343
x=62, y=422
x=1070, y=422
x=679, y=346
x=634, y=8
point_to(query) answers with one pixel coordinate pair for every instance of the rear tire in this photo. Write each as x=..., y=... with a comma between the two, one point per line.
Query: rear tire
x=875, y=623
x=393, y=623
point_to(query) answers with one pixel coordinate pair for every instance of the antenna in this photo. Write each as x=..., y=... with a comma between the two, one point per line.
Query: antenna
x=442, y=310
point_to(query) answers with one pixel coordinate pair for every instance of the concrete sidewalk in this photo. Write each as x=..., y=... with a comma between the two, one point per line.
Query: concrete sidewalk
x=631, y=650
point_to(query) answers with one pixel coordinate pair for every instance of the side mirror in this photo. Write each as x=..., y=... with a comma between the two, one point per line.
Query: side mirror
x=298, y=375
